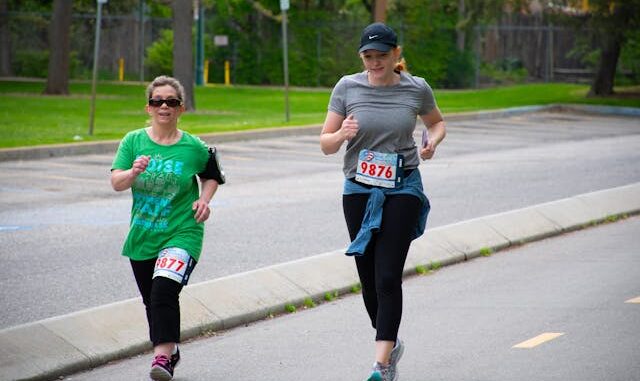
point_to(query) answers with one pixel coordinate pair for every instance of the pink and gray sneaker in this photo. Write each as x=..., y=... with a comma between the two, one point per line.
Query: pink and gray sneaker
x=161, y=368
x=175, y=358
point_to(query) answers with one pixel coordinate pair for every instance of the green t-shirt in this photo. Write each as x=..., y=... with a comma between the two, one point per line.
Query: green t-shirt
x=163, y=195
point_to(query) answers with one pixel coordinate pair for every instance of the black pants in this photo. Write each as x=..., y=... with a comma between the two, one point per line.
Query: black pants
x=161, y=300
x=380, y=268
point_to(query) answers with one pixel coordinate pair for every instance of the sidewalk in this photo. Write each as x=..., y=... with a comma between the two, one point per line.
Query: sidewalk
x=459, y=323
x=67, y=344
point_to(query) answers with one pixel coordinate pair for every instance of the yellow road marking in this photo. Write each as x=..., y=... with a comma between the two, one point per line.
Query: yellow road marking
x=634, y=300
x=540, y=339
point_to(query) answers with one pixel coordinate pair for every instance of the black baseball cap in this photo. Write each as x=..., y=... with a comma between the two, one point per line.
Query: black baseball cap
x=379, y=37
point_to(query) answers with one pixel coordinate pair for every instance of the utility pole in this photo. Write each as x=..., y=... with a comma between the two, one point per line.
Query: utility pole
x=199, y=43
x=141, y=12
x=284, y=6
x=96, y=50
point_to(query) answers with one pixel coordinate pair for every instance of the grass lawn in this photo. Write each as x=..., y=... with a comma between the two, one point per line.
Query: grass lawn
x=30, y=118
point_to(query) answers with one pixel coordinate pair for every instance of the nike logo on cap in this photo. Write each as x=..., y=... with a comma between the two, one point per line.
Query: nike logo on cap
x=372, y=37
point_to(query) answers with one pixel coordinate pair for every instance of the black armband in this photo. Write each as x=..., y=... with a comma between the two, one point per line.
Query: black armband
x=213, y=170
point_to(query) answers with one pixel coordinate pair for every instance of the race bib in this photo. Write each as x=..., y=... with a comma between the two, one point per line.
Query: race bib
x=379, y=169
x=175, y=264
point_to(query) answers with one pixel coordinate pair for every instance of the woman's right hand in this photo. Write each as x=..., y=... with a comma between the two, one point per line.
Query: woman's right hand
x=349, y=127
x=140, y=164
x=121, y=179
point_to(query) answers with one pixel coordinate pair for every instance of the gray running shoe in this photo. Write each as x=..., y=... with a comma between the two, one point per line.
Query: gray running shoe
x=379, y=373
x=394, y=358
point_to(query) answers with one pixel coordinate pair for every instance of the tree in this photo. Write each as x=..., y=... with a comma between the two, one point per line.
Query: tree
x=377, y=8
x=5, y=40
x=183, y=69
x=59, y=48
x=613, y=21
x=60, y=35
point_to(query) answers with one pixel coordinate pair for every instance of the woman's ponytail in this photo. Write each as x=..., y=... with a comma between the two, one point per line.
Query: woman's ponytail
x=401, y=65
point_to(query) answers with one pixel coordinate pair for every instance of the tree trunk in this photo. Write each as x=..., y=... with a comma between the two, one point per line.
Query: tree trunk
x=59, y=48
x=460, y=31
x=612, y=36
x=183, y=69
x=379, y=10
x=605, y=76
x=5, y=40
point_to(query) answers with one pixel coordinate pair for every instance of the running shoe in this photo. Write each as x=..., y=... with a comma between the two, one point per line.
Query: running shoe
x=175, y=358
x=379, y=373
x=394, y=358
x=161, y=369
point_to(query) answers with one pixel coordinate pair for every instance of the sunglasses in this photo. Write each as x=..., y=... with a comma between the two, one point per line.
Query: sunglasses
x=171, y=102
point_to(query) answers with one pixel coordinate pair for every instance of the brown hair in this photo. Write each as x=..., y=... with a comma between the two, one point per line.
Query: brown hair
x=164, y=80
x=401, y=65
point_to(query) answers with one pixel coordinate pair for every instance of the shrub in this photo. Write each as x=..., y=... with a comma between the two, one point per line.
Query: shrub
x=160, y=55
x=460, y=71
x=31, y=63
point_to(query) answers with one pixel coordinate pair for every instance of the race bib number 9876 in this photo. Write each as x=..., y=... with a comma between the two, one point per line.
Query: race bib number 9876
x=379, y=169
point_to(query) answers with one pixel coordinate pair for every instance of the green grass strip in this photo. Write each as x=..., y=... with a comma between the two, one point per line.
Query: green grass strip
x=30, y=118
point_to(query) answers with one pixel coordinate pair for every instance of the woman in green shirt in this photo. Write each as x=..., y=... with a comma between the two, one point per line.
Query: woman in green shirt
x=161, y=164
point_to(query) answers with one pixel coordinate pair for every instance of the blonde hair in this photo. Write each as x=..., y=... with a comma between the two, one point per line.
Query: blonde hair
x=165, y=80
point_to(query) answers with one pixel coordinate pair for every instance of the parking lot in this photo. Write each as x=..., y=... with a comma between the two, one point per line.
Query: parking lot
x=62, y=226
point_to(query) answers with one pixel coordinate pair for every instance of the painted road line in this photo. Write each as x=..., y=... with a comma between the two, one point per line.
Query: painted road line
x=240, y=158
x=540, y=339
x=634, y=300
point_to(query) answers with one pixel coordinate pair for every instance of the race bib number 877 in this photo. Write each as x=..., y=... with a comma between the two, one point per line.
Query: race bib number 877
x=379, y=169
x=174, y=263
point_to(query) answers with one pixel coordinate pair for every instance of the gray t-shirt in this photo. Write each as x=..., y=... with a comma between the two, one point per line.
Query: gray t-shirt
x=386, y=115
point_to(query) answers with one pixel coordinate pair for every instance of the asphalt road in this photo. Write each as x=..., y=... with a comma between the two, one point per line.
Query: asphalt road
x=62, y=226
x=464, y=322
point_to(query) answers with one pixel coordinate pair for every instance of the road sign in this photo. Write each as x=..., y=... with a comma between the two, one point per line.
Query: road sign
x=221, y=40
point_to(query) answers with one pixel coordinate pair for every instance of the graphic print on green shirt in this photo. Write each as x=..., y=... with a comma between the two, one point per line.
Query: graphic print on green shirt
x=163, y=195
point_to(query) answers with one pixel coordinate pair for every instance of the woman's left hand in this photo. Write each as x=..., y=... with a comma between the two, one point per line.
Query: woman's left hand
x=428, y=151
x=202, y=210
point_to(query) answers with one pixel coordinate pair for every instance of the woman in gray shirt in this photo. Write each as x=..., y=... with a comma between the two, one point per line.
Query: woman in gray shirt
x=384, y=204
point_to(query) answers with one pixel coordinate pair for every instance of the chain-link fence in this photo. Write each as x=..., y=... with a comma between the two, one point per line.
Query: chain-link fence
x=319, y=52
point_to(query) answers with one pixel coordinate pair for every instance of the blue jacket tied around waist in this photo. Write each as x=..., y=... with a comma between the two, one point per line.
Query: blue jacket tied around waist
x=411, y=185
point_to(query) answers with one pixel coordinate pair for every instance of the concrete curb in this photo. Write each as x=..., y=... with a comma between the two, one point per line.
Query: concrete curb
x=49, y=348
x=57, y=150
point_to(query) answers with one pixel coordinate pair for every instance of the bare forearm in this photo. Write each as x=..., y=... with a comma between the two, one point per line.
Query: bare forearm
x=208, y=188
x=330, y=143
x=335, y=131
x=122, y=180
x=437, y=132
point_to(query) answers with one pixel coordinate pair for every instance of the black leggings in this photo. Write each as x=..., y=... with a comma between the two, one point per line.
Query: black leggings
x=380, y=268
x=161, y=300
